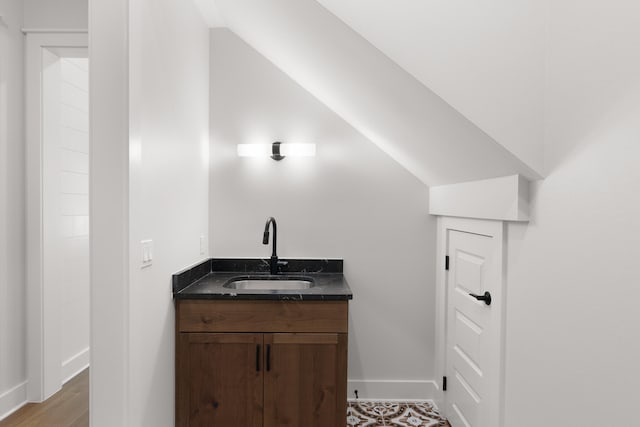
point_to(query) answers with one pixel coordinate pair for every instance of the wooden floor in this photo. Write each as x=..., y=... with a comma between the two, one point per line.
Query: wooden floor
x=67, y=408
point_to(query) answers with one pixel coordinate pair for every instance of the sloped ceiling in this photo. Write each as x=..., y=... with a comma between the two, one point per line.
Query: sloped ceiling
x=484, y=58
x=377, y=97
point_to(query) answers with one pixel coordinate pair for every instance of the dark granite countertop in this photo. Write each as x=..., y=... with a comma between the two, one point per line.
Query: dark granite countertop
x=206, y=280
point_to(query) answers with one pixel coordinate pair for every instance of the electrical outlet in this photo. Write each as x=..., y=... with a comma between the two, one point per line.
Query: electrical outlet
x=147, y=252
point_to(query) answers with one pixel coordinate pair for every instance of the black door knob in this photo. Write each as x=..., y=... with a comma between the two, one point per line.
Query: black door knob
x=486, y=297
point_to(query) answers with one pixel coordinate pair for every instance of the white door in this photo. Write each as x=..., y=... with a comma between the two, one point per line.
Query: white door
x=474, y=329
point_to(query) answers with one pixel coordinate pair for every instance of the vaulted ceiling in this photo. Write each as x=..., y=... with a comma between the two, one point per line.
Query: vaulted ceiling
x=449, y=107
x=486, y=59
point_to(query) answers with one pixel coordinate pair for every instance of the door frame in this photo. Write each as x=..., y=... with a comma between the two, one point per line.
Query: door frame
x=498, y=231
x=42, y=383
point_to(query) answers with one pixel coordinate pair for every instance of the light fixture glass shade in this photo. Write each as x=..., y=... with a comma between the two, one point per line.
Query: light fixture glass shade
x=298, y=150
x=265, y=150
x=254, y=150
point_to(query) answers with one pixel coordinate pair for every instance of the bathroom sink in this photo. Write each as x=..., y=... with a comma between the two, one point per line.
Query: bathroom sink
x=270, y=283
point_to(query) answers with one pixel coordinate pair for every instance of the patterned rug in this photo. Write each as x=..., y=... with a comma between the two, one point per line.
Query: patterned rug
x=393, y=414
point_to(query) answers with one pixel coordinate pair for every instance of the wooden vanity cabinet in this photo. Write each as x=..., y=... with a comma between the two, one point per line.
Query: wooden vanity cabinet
x=261, y=363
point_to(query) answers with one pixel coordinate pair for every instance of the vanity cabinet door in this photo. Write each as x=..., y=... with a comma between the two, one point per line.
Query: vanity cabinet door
x=219, y=380
x=305, y=380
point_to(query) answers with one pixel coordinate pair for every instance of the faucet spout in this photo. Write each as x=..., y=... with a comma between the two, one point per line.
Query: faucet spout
x=273, y=264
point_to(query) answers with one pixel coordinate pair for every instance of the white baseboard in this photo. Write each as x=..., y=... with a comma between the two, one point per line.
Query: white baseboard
x=392, y=390
x=12, y=400
x=74, y=365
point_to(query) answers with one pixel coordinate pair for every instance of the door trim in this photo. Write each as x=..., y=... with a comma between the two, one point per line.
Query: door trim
x=39, y=385
x=497, y=230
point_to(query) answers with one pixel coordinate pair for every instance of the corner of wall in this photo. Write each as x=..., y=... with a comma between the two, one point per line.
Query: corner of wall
x=12, y=210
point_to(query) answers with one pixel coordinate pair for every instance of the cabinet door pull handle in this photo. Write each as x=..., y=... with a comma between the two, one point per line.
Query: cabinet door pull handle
x=258, y=358
x=268, y=357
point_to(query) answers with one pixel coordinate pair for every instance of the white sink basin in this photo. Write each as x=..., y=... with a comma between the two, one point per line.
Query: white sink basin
x=270, y=284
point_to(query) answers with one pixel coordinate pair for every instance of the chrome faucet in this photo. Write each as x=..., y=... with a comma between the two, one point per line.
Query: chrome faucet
x=274, y=264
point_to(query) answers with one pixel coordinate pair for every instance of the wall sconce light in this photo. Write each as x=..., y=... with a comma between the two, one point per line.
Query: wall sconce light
x=277, y=150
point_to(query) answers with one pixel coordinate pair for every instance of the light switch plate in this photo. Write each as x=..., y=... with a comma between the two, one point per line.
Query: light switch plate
x=147, y=252
x=202, y=245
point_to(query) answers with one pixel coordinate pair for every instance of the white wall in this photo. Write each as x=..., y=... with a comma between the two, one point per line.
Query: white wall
x=66, y=206
x=56, y=14
x=485, y=58
x=64, y=220
x=168, y=183
x=109, y=211
x=12, y=210
x=351, y=201
x=572, y=341
x=505, y=198
x=149, y=161
x=75, y=185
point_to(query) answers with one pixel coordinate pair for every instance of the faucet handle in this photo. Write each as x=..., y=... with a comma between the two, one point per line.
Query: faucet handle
x=282, y=264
